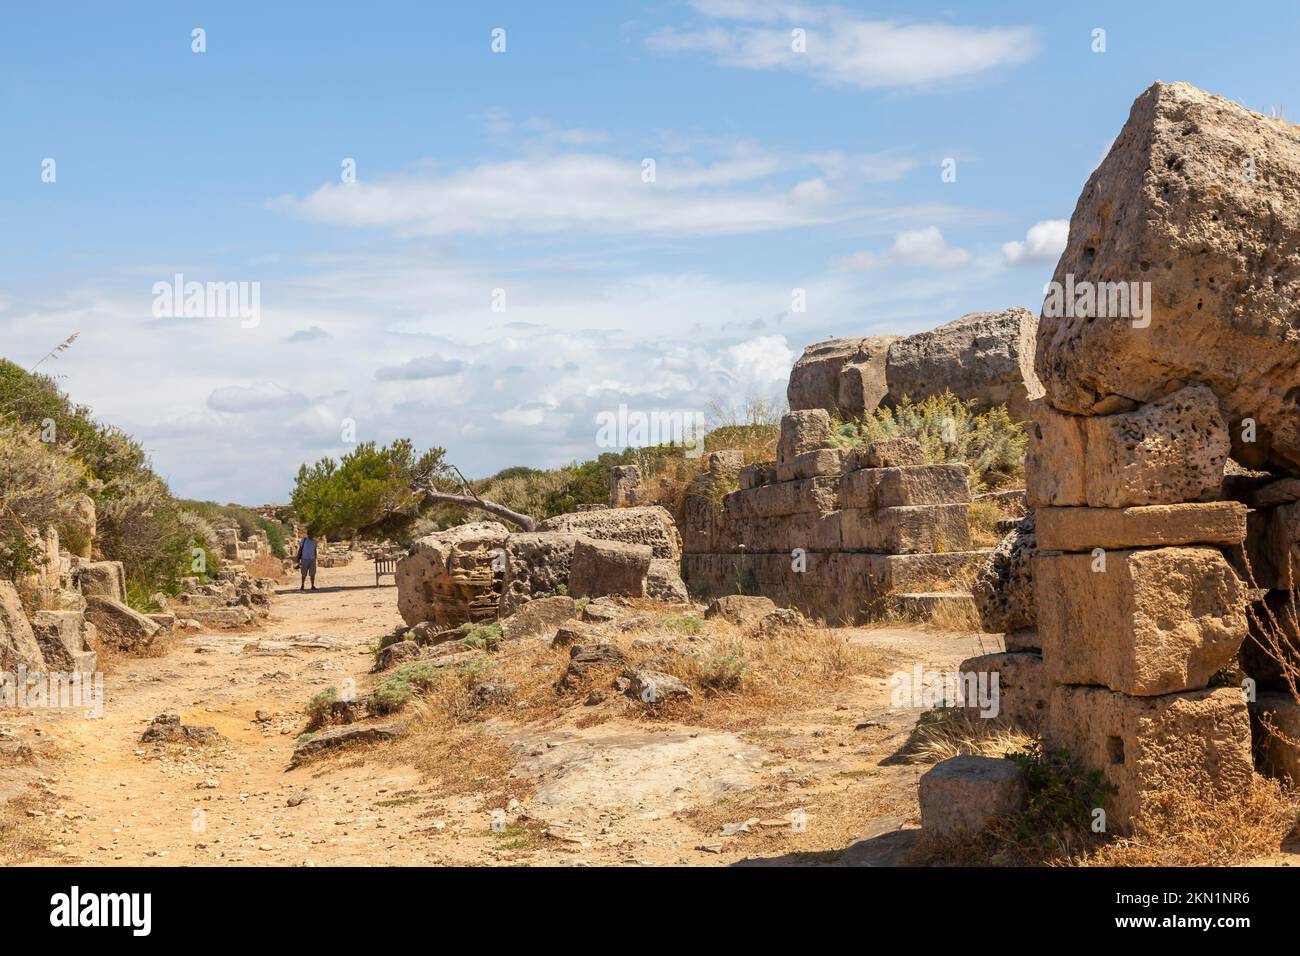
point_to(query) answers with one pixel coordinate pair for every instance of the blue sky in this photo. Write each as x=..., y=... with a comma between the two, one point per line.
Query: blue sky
x=521, y=171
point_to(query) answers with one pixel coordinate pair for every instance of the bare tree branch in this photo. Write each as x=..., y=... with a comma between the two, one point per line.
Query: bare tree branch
x=474, y=501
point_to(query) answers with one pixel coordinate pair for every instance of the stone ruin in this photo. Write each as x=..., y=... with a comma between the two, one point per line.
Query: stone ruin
x=1156, y=561
x=254, y=553
x=479, y=572
x=842, y=534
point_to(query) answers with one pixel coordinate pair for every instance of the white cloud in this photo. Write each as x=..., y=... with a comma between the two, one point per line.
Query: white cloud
x=260, y=396
x=927, y=247
x=842, y=49
x=425, y=366
x=1044, y=242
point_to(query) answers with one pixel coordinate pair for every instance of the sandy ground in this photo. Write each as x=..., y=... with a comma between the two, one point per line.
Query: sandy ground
x=821, y=786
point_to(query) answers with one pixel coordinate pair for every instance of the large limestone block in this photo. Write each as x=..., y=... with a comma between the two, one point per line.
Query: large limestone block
x=911, y=485
x=1196, y=743
x=840, y=375
x=1022, y=689
x=1196, y=196
x=1173, y=449
x=536, y=565
x=802, y=432
x=1004, y=585
x=1153, y=622
x=984, y=356
x=609, y=567
x=824, y=462
x=62, y=636
x=453, y=577
x=909, y=529
x=801, y=496
x=962, y=795
x=651, y=525
x=101, y=579
x=18, y=645
x=1274, y=546
x=119, y=625
x=539, y=616
x=664, y=582
x=1149, y=526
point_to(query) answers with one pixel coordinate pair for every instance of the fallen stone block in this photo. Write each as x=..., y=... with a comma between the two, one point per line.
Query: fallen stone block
x=453, y=577
x=585, y=658
x=312, y=745
x=609, y=567
x=1148, y=526
x=539, y=616
x=120, y=626
x=664, y=582
x=1153, y=622
x=63, y=639
x=650, y=525
x=899, y=452
x=655, y=687
x=962, y=795
x=101, y=579
x=18, y=644
x=1022, y=690
x=168, y=729
x=1197, y=743
x=536, y=564
x=741, y=609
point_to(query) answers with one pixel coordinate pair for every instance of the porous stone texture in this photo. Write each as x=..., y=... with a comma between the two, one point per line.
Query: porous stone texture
x=1004, y=586
x=1153, y=622
x=1148, y=526
x=625, y=486
x=119, y=625
x=64, y=639
x=539, y=616
x=453, y=577
x=1275, y=730
x=655, y=687
x=1171, y=450
x=609, y=567
x=18, y=645
x=802, y=432
x=740, y=608
x=987, y=357
x=1197, y=197
x=844, y=376
x=1196, y=743
x=101, y=579
x=651, y=525
x=664, y=582
x=1022, y=689
x=891, y=453
x=536, y=564
x=962, y=795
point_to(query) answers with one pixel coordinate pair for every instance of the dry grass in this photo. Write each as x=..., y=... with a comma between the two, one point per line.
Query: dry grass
x=984, y=518
x=22, y=839
x=945, y=616
x=1186, y=829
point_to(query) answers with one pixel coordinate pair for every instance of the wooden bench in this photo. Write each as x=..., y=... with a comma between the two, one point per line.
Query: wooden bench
x=385, y=566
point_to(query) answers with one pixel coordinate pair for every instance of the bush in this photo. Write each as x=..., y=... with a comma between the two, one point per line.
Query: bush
x=481, y=637
x=38, y=485
x=948, y=430
x=318, y=708
x=723, y=672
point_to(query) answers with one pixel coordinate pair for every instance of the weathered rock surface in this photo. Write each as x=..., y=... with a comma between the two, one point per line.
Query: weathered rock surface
x=1004, y=586
x=740, y=609
x=656, y=687
x=1022, y=689
x=336, y=737
x=1171, y=450
x=18, y=645
x=844, y=376
x=101, y=579
x=651, y=525
x=1196, y=742
x=539, y=616
x=168, y=729
x=802, y=432
x=1149, y=526
x=962, y=795
x=609, y=567
x=1275, y=728
x=1153, y=622
x=63, y=637
x=536, y=564
x=119, y=625
x=984, y=356
x=454, y=576
x=1197, y=197
x=664, y=582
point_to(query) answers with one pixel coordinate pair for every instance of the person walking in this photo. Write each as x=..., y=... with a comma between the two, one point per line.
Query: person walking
x=306, y=559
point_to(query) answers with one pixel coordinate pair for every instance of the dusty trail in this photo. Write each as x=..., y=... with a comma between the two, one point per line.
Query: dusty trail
x=614, y=794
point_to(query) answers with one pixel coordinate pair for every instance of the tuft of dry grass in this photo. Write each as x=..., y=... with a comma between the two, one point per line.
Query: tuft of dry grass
x=22, y=839
x=1188, y=829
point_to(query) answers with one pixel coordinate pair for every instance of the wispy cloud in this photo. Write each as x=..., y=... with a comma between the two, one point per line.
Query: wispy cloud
x=842, y=49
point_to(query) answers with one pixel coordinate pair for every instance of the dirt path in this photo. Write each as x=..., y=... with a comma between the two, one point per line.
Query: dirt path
x=609, y=794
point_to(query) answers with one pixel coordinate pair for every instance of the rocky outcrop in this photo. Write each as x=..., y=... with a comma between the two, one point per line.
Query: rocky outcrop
x=18, y=645
x=987, y=357
x=120, y=626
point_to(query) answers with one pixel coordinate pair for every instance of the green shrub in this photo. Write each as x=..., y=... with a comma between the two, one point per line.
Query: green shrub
x=318, y=708
x=683, y=623
x=948, y=430
x=481, y=637
x=1061, y=799
x=723, y=672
